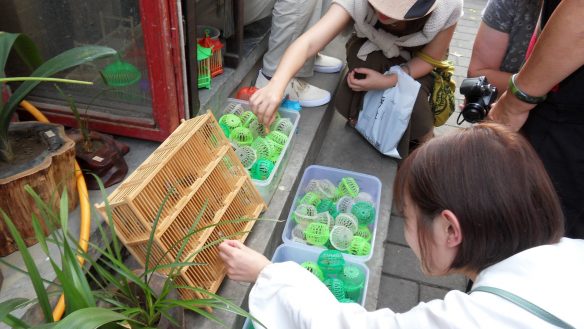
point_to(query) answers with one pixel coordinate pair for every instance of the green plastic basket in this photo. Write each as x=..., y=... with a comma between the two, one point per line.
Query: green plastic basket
x=354, y=280
x=336, y=287
x=231, y=121
x=264, y=149
x=317, y=234
x=359, y=246
x=120, y=74
x=278, y=137
x=262, y=169
x=242, y=136
x=364, y=232
x=247, y=117
x=310, y=198
x=313, y=268
x=331, y=262
x=348, y=186
x=364, y=211
x=324, y=205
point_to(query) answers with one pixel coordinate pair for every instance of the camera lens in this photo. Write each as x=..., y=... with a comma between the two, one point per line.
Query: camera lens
x=473, y=112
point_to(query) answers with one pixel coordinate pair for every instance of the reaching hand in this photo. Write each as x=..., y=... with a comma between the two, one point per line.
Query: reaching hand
x=243, y=263
x=510, y=111
x=371, y=80
x=264, y=103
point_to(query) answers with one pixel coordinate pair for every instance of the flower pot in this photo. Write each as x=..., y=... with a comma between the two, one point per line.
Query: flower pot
x=105, y=158
x=45, y=160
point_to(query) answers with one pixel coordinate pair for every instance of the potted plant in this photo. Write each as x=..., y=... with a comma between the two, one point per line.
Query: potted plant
x=135, y=298
x=45, y=157
x=96, y=153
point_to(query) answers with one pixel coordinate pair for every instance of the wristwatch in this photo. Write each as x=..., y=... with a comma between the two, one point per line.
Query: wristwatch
x=523, y=96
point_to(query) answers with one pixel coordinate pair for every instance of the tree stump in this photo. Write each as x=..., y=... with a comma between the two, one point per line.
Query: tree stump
x=48, y=173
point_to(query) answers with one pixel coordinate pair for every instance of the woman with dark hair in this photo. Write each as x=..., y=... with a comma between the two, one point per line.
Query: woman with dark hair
x=478, y=203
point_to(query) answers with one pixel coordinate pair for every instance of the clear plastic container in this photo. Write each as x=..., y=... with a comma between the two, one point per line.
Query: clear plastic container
x=300, y=254
x=268, y=186
x=367, y=183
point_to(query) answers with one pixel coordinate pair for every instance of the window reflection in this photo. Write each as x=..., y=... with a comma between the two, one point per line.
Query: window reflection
x=58, y=25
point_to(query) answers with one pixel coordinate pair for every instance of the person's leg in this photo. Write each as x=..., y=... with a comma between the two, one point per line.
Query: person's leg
x=422, y=119
x=290, y=19
x=254, y=10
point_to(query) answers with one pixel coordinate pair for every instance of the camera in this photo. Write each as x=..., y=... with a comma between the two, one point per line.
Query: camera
x=479, y=96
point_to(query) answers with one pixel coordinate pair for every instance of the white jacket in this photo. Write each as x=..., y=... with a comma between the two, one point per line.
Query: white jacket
x=551, y=277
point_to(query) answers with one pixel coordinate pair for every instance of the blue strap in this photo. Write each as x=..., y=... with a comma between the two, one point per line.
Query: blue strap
x=525, y=304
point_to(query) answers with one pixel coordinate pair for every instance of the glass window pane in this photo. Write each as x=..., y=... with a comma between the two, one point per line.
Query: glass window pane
x=121, y=85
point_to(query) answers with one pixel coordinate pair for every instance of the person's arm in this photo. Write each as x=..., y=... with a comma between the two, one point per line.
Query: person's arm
x=265, y=101
x=558, y=52
x=417, y=67
x=488, y=51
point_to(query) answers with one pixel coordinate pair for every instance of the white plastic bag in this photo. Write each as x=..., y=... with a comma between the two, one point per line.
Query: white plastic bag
x=386, y=113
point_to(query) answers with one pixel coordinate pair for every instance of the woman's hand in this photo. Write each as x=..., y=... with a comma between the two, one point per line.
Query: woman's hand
x=265, y=102
x=371, y=80
x=243, y=263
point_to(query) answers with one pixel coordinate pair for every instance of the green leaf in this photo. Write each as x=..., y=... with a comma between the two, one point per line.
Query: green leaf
x=90, y=318
x=76, y=289
x=10, y=305
x=64, y=212
x=15, y=79
x=33, y=271
x=23, y=46
x=15, y=322
x=66, y=60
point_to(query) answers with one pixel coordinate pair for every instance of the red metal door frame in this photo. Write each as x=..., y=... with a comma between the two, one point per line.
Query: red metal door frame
x=162, y=45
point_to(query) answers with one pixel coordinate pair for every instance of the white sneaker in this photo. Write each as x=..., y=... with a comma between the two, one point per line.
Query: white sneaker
x=301, y=91
x=327, y=64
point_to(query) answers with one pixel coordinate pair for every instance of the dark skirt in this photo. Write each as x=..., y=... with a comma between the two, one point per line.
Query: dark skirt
x=349, y=103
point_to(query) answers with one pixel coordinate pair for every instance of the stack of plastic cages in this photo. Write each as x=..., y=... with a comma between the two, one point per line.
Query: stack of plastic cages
x=194, y=169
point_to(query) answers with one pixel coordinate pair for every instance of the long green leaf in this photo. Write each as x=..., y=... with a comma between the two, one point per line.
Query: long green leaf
x=66, y=60
x=50, y=217
x=109, y=216
x=64, y=212
x=33, y=271
x=76, y=289
x=40, y=234
x=10, y=305
x=15, y=79
x=15, y=322
x=90, y=318
x=23, y=45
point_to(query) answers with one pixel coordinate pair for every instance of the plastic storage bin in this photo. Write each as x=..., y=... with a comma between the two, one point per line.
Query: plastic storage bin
x=367, y=183
x=300, y=253
x=267, y=187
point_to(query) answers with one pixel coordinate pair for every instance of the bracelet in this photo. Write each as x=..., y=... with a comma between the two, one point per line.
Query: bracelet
x=523, y=96
x=405, y=67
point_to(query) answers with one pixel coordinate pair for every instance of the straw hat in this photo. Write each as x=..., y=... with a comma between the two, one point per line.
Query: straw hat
x=404, y=9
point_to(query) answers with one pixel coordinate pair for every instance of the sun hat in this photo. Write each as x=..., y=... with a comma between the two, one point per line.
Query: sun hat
x=404, y=9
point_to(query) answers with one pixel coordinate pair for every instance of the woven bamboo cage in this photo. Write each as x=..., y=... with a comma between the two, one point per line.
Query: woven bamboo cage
x=194, y=169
